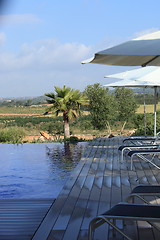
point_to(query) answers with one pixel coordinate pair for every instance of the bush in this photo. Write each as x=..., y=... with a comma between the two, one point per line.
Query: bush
x=12, y=135
x=54, y=128
x=139, y=123
x=85, y=125
x=73, y=139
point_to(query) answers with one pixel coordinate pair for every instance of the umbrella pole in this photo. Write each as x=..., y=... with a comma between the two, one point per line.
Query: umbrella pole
x=144, y=114
x=155, y=110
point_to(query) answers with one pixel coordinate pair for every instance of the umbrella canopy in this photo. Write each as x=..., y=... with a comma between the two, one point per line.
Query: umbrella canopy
x=142, y=51
x=142, y=77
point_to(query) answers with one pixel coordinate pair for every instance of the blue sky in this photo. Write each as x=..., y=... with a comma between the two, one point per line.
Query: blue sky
x=42, y=42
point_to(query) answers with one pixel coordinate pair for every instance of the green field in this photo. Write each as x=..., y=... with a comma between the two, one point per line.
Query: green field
x=32, y=121
x=149, y=108
x=36, y=110
x=40, y=109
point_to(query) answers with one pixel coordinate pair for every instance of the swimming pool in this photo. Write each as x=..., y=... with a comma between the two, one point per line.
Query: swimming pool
x=36, y=170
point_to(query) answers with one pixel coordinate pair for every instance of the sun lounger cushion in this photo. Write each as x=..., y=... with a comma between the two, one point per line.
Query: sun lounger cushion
x=139, y=146
x=151, y=189
x=139, y=138
x=133, y=211
x=143, y=151
x=142, y=191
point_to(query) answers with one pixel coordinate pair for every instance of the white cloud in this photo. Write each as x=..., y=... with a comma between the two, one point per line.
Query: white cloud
x=44, y=55
x=39, y=66
x=2, y=38
x=19, y=19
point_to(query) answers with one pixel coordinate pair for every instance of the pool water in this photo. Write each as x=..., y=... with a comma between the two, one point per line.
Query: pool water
x=36, y=170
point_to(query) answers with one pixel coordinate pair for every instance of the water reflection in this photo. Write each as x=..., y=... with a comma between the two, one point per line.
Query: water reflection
x=65, y=156
x=36, y=170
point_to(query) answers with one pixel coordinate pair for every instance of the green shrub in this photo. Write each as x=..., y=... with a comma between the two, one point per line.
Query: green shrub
x=139, y=123
x=53, y=128
x=73, y=139
x=85, y=125
x=12, y=135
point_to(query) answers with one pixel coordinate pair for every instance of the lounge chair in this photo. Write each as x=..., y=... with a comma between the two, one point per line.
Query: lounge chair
x=142, y=191
x=126, y=211
x=141, y=152
x=122, y=148
x=143, y=140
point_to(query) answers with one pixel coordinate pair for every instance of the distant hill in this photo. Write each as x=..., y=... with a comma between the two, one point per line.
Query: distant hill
x=27, y=101
x=137, y=90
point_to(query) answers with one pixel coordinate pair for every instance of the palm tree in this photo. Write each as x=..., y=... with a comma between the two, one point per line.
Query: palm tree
x=66, y=101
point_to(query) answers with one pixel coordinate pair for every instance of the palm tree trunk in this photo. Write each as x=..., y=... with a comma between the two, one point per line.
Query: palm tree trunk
x=66, y=126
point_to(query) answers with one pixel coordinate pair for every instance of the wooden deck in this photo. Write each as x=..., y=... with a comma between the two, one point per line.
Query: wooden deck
x=19, y=218
x=98, y=182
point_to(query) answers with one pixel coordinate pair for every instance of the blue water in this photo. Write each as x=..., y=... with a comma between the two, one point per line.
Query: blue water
x=36, y=170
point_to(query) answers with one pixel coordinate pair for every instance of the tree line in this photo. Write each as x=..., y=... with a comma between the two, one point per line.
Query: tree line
x=104, y=108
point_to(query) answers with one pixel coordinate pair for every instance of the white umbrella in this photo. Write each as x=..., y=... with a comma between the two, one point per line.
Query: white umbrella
x=142, y=77
x=142, y=51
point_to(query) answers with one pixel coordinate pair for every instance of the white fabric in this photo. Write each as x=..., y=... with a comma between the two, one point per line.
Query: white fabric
x=142, y=77
x=154, y=35
x=142, y=51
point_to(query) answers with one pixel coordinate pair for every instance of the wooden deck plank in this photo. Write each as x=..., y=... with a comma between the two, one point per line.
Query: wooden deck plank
x=105, y=197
